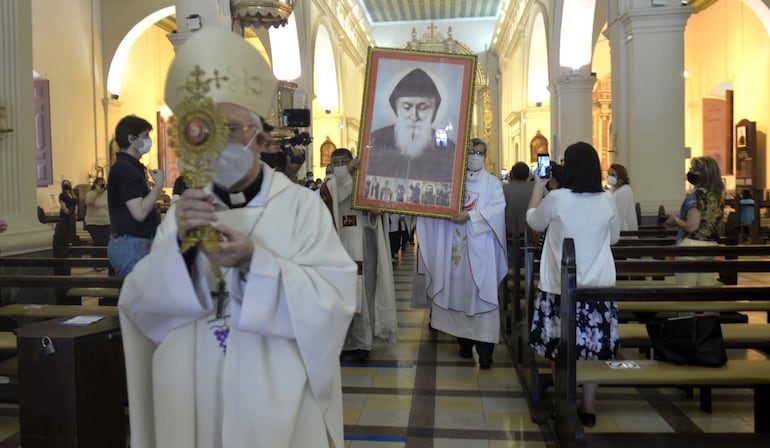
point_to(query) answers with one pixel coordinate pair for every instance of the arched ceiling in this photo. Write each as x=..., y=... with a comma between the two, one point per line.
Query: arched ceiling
x=391, y=21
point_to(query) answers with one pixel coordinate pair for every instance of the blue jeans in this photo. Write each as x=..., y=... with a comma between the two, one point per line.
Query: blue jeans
x=126, y=251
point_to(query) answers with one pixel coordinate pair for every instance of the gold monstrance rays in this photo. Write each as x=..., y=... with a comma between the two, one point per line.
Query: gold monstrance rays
x=198, y=132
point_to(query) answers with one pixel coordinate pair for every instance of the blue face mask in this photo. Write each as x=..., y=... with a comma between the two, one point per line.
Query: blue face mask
x=146, y=145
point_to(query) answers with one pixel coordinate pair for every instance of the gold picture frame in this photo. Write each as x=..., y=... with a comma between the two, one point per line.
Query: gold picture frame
x=416, y=122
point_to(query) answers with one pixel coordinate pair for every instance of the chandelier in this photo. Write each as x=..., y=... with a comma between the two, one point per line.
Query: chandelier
x=262, y=12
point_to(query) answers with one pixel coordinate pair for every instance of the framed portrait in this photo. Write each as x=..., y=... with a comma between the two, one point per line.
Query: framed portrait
x=415, y=127
x=740, y=136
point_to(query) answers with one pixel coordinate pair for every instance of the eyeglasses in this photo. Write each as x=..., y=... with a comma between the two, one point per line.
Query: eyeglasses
x=340, y=161
x=237, y=130
x=477, y=153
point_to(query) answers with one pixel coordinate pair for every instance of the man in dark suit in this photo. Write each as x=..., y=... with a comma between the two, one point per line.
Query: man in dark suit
x=411, y=148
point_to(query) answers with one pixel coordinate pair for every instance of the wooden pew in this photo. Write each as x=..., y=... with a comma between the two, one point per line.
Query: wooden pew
x=59, y=263
x=60, y=281
x=535, y=377
x=570, y=372
x=92, y=251
x=32, y=310
x=64, y=266
x=69, y=288
x=511, y=286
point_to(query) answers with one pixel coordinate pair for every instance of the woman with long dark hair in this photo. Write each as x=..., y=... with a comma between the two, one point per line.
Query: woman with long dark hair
x=579, y=209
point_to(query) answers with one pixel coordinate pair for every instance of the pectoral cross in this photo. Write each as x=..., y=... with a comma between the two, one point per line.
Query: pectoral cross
x=220, y=296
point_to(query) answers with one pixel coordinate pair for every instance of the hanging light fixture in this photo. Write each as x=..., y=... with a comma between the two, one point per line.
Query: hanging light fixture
x=262, y=12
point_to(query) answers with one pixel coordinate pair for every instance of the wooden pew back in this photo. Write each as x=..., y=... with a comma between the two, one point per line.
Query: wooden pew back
x=568, y=430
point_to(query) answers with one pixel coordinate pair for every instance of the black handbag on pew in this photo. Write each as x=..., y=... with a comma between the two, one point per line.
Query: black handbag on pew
x=695, y=340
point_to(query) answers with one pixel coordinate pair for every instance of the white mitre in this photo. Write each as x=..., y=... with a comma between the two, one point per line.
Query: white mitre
x=235, y=71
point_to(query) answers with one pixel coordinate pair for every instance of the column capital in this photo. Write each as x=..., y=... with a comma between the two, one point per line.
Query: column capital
x=575, y=82
x=655, y=20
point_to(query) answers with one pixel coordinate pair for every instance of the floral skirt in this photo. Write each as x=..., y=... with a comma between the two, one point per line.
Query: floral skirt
x=596, y=328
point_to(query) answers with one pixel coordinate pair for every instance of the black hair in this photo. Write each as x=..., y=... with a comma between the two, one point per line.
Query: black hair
x=478, y=141
x=582, y=171
x=342, y=152
x=130, y=125
x=746, y=194
x=520, y=171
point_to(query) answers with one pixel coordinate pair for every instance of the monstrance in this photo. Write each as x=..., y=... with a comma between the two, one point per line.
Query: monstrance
x=198, y=132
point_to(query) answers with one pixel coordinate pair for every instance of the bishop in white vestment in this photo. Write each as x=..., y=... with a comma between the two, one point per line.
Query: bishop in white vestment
x=264, y=373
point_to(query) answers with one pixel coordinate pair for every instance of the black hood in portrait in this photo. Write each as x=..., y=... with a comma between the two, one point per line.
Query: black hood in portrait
x=416, y=83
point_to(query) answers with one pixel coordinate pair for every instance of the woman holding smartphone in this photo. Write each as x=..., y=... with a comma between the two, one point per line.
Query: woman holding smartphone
x=579, y=209
x=97, y=213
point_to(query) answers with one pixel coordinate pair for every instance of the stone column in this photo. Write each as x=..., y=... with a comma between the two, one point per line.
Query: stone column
x=647, y=49
x=573, y=124
x=18, y=194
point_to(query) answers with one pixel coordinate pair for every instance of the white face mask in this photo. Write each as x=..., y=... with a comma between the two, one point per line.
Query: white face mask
x=612, y=181
x=146, y=145
x=234, y=162
x=341, y=171
x=475, y=162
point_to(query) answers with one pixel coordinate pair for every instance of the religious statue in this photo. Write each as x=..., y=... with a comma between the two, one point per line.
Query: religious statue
x=538, y=145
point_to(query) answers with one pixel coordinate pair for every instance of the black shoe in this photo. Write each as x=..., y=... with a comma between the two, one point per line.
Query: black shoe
x=586, y=418
x=360, y=355
x=466, y=353
x=485, y=362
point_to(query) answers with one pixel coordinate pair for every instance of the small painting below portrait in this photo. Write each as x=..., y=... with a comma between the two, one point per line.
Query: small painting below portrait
x=415, y=122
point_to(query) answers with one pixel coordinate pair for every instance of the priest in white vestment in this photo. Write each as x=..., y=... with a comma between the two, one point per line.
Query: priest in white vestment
x=363, y=235
x=262, y=371
x=461, y=262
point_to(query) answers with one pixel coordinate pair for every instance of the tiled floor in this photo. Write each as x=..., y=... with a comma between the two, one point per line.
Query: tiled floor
x=419, y=393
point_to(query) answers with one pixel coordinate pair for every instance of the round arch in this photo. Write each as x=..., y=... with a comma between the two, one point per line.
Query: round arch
x=115, y=72
x=328, y=99
x=536, y=118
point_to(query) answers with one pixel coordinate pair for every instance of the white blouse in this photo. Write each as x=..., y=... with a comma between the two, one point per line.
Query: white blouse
x=591, y=220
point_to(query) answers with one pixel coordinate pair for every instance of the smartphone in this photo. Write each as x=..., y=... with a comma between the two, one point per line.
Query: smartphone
x=543, y=165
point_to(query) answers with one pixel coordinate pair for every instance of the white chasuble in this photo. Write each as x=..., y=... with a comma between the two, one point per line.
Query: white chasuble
x=463, y=264
x=268, y=374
